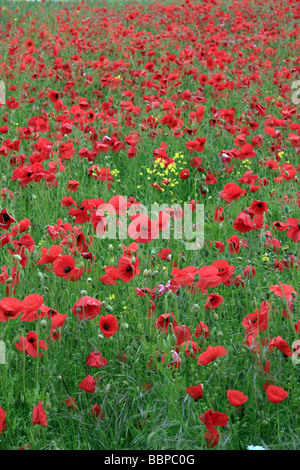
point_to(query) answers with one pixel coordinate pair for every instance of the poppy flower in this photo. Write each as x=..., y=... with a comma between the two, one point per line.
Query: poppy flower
x=211, y=419
x=283, y=290
x=294, y=229
x=126, y=270
x=211, y=354
x=10, y=308
x=71, y=403
x=108, y=325
x=231, y=192
x=88, y=384
x=276, y=394
x=236, y=398
x=32, y=307
x=182, y=333
x=258, y=207
x=97, y=412
x=202, y=330
x=95, y=359
x=213, y=301
x=234, y=244
x=31, y=344
x=184, y=174
x=142, y=229
x=209, y=277
x=218, y=216
x=87, y=308
x=5, y=220
x=195, y=391
x=64, y=266
x=2, y=420
x=243, y=223
x=50, y=255
x=38, y=415
x=166, y=322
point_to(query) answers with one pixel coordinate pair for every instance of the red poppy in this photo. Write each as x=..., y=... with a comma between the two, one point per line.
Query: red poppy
x=126, y=270
x=213, y=301
x=38, y=415
x=5, y=220
x=2, y=420
x=195, y=391
x=202, y=330
x=32, y=308
x=88, y=384
x=97, y=412
x=108, y=325
x=258, y=207
x=50, y=255
x=166, y=322
x=211, y=419
x=95, y=359
x=64, y=267
x=10, y=308
x=218, y=216
x=71, y=403
x=276, y=394
x=231, y=192
x=87, y=308
x=243, y=223
x=236, y=398
x=294, y=229
x=211, y=354
x=31, y=344
x=234, y=244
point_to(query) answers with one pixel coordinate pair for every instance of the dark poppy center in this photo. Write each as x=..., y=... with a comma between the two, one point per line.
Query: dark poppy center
x=5, y=217
x=128, y=269
x=106, y=327
x=32, y=340
x=67, y=269
x=259, y=204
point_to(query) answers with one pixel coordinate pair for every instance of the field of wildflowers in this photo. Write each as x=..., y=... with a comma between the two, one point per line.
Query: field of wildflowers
x=124, y=329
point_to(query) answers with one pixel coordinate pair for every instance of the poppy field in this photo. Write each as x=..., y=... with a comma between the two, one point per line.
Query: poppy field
x=119, y=330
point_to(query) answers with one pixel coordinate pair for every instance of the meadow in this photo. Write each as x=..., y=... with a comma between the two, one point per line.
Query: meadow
x=149, y=341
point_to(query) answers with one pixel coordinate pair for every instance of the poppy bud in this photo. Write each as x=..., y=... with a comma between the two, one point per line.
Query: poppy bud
x=108, y=308
x=43, y=323
x=17, y=257
x=173, y=340
x=159, y=357
x=99, y=336
x=170, y=293
x=124, y=326
x=78, y=309
x=21, y=275
x=89, y=279
x=33, y=196
x=145, y=273
x=155, y=273
x=286, y=209
x=59, y=378
x=9, y=280
x=220, y=334
x=83, y=293
x=216, y=316
x=110, y=247
x=40, y=275
x=103, y=303
x=35, y=255
x=108, y=387
x=133, y=260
